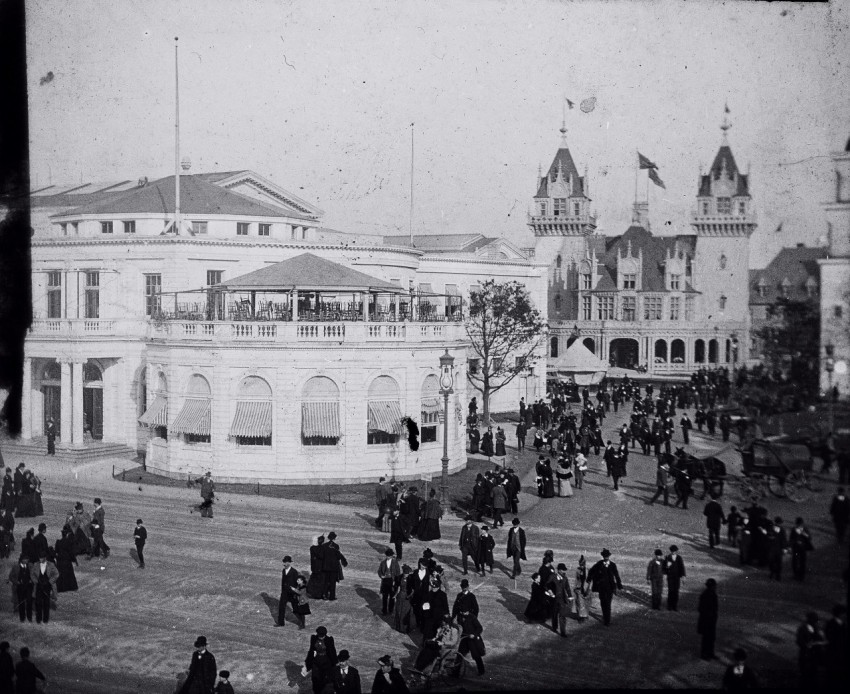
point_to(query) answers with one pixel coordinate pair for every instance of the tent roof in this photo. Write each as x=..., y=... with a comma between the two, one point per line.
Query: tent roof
x=578, y=358
x=308, y=271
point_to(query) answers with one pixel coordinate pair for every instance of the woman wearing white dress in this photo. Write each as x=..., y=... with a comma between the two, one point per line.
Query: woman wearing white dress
x=564, y=473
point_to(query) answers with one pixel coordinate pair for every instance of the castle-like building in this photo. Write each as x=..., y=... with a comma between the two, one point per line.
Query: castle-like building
x=672, y=302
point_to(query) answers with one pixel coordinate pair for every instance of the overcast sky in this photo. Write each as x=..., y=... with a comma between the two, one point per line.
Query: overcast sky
x=320, y=97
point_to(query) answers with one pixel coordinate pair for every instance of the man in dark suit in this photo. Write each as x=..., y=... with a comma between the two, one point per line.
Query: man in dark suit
x=382, y=495
x=202, y=670
x=468, y=544
x=655, y=578
x=714, y=518
x=515, y=547
x=288, y=579
x=777, y=544
x=321, y=659
x=674, y=569
x=27, y=673
x=39, y=542
x=559, y=586
x=605, y=580
x=417, y=586
x=332, y=566
x=471, y=641
x=465, y=601
x=98, y=530
x=389, y=572
x=388, y=679
x=346, y=679
x=140, y=537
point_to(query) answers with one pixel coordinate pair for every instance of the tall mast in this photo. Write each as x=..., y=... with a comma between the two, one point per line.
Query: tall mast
x=176, y=142
x=410, y=224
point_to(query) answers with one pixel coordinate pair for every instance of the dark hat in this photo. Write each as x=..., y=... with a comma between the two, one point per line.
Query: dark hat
x=515, y=521
x=427, y=553
x=740, y=654
x=406, y=569
x=343, y=655
x=332, y=535
x=138, y=520
x=385, y=660
x=485, y=527
x=605, y=553
x=201, y=641
x=562, y=567
x=97, y=500
x=321, y=631
x=42, y=526
x=777, y=520
x=658, y=552
x=413, y=489
x=388, y=552
x=467, y=517
x=78, y=505
x=224, y=674
x=287, y=559
x=464, y=583
x=42, y=555
x=674, y=548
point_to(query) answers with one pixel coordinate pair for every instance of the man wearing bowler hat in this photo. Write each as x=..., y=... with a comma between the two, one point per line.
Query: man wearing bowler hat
x=515, y=547
x=288, y=579
x=346, y=679
x=389, y=572
x=332, y=566
x=321, y=659
x=202, y=670
x=605, y=580
x=388, y=680
x=674, y=568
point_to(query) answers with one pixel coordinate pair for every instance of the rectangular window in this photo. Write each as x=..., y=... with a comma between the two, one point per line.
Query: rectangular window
x=674, y=307
x=742, y=208
x=153, y=287
x=54, y=294
x=264, y=230
x=630, y=281
x=75, y=227
x=254, y=440
x=64, y=227
x=586, y=308
x=214, y=277
x=605, y=307
x=629, y=307
x=652, y=308
x=196, y=438
x=242, y=228
x=675, y=282
x=293, y=232
x=542, y=209
x=722, y=302
x=473, y=365
x=106, y=227
x=837, y=311
x=428, y=428
x=586, y=281
x=560, y=207
x=724, y=205
x=130, y=226
x=93, y=294
x=576, y=209
x=199, y=227
x=303, y=233
x=689, y=308
x=705, y=208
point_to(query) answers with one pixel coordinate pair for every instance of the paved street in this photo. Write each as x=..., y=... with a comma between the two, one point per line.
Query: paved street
x=128, y=630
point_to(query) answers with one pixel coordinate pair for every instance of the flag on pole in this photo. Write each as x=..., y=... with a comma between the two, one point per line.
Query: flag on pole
x=570, y=104
x=779, y=228
x=644, y=163
x=654, y=178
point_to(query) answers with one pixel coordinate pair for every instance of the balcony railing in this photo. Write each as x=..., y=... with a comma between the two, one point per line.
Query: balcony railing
x=86, y=327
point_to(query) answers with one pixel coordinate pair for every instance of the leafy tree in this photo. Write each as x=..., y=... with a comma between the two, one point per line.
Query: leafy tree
x=505, y=330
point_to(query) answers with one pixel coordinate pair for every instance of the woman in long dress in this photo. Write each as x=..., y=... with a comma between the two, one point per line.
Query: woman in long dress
x=548, y=480
x=565, y=474
x=316, y=583
x=474, y=440
x=538, y=440
x=580, y=593
x=65, y=560
x=500, y=443
x=79, y=521
x=429, y=526
x=487, y=442
x=402, y=611
x=538, y=608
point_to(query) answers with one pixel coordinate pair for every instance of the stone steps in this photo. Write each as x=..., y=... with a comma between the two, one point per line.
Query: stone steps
x=12, y=448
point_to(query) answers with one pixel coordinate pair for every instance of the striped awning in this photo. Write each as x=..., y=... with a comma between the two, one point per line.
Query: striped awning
x=194, y=418
x=157, y=414
x=430, y=405
x=320, y=419
x=252, y=419
x=385, y=415
x=425, y=288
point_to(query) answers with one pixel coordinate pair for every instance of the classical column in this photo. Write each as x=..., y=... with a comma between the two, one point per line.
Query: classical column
x=365, y=296
x=26, y=400
x=77, y=392
x=65, y=402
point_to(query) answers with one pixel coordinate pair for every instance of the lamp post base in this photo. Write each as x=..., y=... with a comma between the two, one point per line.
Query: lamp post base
x=444, y=483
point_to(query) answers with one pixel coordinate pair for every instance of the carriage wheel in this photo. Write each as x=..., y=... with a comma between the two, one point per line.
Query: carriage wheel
x=796, y=485
x=777, y=485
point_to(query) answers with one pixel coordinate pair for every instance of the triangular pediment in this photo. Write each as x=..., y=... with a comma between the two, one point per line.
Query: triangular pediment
x=252, y=185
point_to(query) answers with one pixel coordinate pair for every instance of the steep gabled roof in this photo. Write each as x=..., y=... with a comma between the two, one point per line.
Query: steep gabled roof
x=578, y=358
x=197, y=197
x=796, y=265
x=309, y=272
x=564, y=160
x=724, y=160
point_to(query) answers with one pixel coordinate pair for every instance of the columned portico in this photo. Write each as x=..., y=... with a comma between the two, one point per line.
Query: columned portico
x=26, y=401
x=65, y=402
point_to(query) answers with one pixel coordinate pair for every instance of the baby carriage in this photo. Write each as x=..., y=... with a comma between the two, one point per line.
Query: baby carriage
x=440, y=659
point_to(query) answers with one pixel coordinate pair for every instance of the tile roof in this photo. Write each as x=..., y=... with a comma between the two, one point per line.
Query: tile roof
x=564, y=159
x=796, y=265
x=197, y=197
x=308, y=271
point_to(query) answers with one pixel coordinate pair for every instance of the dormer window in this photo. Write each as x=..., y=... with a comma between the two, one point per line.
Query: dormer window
x=705, y=207
x=560, y=207
x=784, y=287
x=674, y=282
x=761, y=288
x=542, y=209
x=742, y=208
x=586, y=281
x=576, y=209
x=811, y=287
x=724, y=206
x=558, y=262
x=723, y=261
x=722, y=302
x=630, y=281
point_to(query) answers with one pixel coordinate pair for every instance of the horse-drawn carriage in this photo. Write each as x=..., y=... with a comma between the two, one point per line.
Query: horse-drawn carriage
x=710, y=469
x=779, y=465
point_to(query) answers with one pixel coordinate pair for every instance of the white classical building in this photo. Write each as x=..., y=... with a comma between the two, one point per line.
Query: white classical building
x=249, y=340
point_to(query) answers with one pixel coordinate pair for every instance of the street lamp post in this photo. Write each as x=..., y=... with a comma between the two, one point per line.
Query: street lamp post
x=446, y=388
x=830, y=367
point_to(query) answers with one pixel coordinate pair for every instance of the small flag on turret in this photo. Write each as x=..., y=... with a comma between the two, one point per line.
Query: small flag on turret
x=570, y=104
x=644, y=163
x=654, y=178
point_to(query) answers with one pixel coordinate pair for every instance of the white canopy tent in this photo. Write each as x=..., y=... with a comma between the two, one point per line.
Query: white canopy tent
x=579, y=364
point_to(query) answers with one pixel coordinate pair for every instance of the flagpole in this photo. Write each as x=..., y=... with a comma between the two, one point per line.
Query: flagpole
x=176, y=142
x=411, y=185
x=637, y=170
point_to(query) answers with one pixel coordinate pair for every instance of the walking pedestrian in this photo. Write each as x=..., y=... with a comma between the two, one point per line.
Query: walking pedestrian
x=223, y=686
x=332, y=566
x=835, y=654
x=810, y=642
x=43, y=575
x=515, y=547
x=316, y=582
x=674, y=569
x=202, y=670
x=486, y=545
x=707, y=621
x=739, y=676
x=389, y=572
x=65, y=560
x=465, y=601
x=801, y=545
x=686, y=425
x=618, y=468
x=499, y=497
x=388, y=679
x=662, y=482
x=382, y=494
x=288, y=581
x=402, y=611
x=98, y=530
x=562, y=596
x=207, y=494
x=521, y=433
x=22, y=587
x=140, y=537
x=605, y=580
x=321, y=659
x=471, y=641
x=655, y=578
x=733, y=526
x=300, y=603
x=346, y=677
x=429, y=528
x=26, y=674
x=777, y=546
x=50, y=431
x=839, y=509
x=580, y=468
x=714, y=518
x=398, y=533
x=468, y=544
x=581, y=590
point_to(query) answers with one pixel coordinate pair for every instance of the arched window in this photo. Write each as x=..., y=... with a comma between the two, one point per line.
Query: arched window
x=660, y=351
x=384, y=410
x=156, y=416
x=722, y=302
x=557, y=302
x=91, y=373
x=252, y=421
x=723, y=261
x=193, y=420
x=553, y=346
x=320, y=412
x=677, y=352
x=558, y=261
x=430, y=409
x=712, y=351
x=728, y=351
x=699, y=352
x=590, y=343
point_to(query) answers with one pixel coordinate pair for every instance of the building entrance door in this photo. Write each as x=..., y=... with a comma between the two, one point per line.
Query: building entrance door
x=624, y=352
x=93, y=412
x=53, y=407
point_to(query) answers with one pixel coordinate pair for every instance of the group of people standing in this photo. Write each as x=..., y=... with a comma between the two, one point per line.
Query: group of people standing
x=21, y=493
